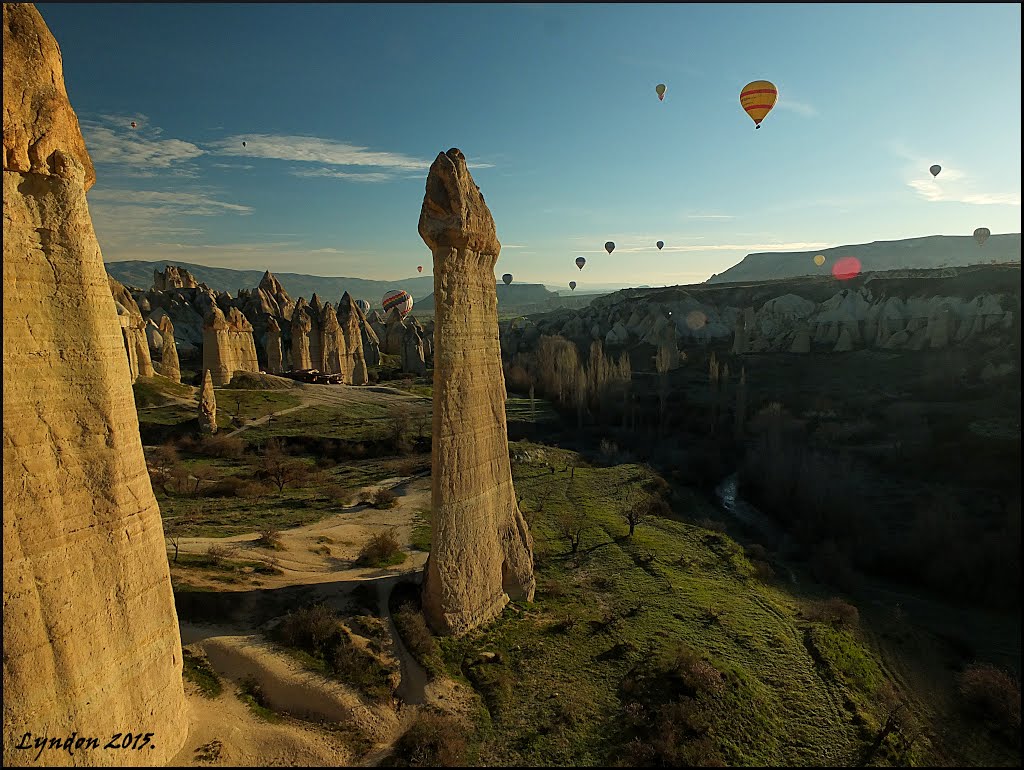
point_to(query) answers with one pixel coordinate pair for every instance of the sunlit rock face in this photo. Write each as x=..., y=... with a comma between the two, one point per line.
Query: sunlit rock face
x=90, y=634
x=351, y=319
x=482, y=550
x=133, y=331
x=228, y=345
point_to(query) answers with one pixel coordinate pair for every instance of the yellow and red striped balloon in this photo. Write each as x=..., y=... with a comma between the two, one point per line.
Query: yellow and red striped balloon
x=757, y=99
x=399, y=299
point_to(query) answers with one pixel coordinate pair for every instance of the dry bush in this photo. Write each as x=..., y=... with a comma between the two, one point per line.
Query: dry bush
x=269, y=538
x=415, y=633
x=381, y=549
x=222, y=446
x=695, y=673
x=763, y=570
x=835, y=611
x=252, y=490
x=309, y=628
x=712, y=524
x=992, y=694
x=228, y=486
x=218, y=553
x=433, y=740
x=756, y=551
x=336, y=493
x=384, y=499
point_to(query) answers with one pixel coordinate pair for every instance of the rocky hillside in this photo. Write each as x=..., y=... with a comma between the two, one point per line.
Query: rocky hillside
x=929, y=252
x=140, y=274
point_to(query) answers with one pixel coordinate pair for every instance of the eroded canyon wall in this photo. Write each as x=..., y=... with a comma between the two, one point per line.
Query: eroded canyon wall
x=90, y=634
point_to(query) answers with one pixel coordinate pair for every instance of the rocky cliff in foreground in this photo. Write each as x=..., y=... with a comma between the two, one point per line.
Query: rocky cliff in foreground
x=482, y=550
x=90, y=635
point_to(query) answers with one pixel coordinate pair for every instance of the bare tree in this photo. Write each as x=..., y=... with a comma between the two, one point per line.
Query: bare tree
x=898, y=720
x=571, y=523
x=279, y=467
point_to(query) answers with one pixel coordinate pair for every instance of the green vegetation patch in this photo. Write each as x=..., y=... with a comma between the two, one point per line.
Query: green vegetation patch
x=198, y=671
x=156, y=391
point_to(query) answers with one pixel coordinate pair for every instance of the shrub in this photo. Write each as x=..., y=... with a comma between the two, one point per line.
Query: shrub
x=417, y=637
x=228, y=486
x=252, y=490
x=269, y=538
x=992, y=694
x=712, y=524
x=310, y=628
x=696, y=674
x=763, y=570
x=230, y=447
x=381, y=550
x=384, y=499
x=356, y=666
x=433, y=740
x=835, y=611
x=217, y=553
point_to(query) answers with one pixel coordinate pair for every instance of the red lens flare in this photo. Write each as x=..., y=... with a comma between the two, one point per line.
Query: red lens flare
x=846, y=268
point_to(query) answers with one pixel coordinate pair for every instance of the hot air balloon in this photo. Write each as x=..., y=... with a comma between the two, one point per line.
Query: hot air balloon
x=609, y=247
x=363, y=305
x=935, y=169
x=758, y=98
x=819, y=260
x=580, y=262
x=572, y=285
x=507, y=278
x=243, y=144
x=981, y=235
x=660, y=244
x=419, y=268
x=133, y=124
x=660, y=88
x=396, y=298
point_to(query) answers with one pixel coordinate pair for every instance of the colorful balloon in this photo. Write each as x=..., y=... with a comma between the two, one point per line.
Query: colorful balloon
x=609, y=247
x=133, y=124
x=507, y=278
x=580, y=262
x=419, y=268
x=396, y=298
x=819, y=260
x=935, y=169
x=757, y=99
x=363, y=305
x=572, y=285
x=660, y=245
x=981, y=235
x=661, y=89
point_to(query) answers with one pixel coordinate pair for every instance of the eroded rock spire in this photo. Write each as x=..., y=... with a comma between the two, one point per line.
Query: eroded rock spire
x=482, y=550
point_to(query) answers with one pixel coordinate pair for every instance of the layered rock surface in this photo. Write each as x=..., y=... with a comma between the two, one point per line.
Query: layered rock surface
x=169, y=365
x=228, y=345
x=482, y=549
x=133, y=332
x=90, y=633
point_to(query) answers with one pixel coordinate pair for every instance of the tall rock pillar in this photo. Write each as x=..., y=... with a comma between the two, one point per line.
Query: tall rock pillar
x=90, y=634
x=482, y=550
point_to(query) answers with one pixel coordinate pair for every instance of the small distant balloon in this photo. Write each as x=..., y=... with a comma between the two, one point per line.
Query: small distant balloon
x=661, y=89
x=981, y=235
x=363, y=305
x=757, y=99
x=935, y=169
x=507, y=278
x=572, y=285
x=243, y=144
x=419, y=268
x=846, y=268
x=134, y=124
x=660, y=245
x=609, y=247
x=580, y=262
x=819, y=260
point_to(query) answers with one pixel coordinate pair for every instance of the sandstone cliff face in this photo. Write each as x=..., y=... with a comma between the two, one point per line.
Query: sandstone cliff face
x=228, y=345
x=133, y=331
x=90, y=634
x=332, y=342
x=275, y=354
x=351, y=319
x=169, y=366
x=412, y=356
x=482, y=549
x=207, y=406
x=301, y=329
x=394, y=333
x=174, y=278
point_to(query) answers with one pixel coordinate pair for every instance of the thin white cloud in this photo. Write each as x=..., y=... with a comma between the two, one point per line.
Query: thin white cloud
x=190, y=204
x=311, y=149
x=138, y=151
x=351, y=176
x=951, y=185
x=800, y=108
x=710, y=216
x=234, y=166
x=931, y=190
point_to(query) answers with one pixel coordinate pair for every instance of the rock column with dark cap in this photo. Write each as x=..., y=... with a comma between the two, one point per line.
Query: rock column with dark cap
x=482, y=552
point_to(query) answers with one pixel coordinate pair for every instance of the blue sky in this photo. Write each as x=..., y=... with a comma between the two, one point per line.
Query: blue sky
x=343, y=107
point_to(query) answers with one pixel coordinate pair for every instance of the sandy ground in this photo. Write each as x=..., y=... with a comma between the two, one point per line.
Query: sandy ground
x=324, y=722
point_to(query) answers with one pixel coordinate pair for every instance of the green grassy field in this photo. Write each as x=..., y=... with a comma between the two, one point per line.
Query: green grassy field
x=603, y=616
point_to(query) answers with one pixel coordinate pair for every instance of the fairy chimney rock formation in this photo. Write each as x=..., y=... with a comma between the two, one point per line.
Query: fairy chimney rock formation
x=394, y=335
x=275, y=356
x=90, y=634
x=482, y=550
x=228, y=345
x=274, y=290
x=332, y=342
x=174, y=278
x=169, y=366
x=133, y=331
x=412, y=357
x=207, y=406
x=301, y=328
x=350, y=317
